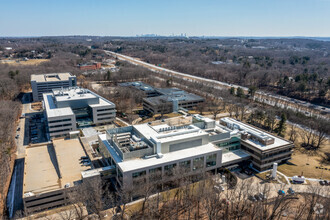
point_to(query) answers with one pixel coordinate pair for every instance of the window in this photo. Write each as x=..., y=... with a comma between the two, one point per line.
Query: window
x=62, y=125
x=169, y=169
x=185, y=165
x=139, y=174
x=50, y=122
x=105, y=109
x=139, y=177
x=62, y=130
x=155, y=174
x=198, y=163
x=211, y=160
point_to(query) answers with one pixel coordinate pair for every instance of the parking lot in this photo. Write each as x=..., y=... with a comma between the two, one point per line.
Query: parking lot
x=37, y=129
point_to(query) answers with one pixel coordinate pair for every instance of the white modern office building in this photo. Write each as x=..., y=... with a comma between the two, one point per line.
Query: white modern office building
x=69, y=108
x=264, y=148
x=43, y=83
x=153, y=151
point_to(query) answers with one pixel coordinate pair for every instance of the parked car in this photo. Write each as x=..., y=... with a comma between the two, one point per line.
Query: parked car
x=248, y=171
x=262, y=196
x=291, y=191
x=18, y=129
x=256, y=196
x=86, y=163
x=219, y=189
x=326, y=182
x=281, y=192
x=83, y=158
x=252, y=198
x=322, y=183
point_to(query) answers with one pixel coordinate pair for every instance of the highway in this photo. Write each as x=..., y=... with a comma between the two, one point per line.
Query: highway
x=260, y=96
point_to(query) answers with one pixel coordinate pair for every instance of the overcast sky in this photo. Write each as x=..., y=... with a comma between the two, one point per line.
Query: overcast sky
x=166, y=17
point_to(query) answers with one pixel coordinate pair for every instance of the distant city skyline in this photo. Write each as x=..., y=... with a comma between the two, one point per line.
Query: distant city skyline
x=236, y=18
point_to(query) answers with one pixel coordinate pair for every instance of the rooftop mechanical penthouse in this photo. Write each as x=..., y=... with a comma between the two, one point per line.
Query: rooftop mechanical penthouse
x=69, y=108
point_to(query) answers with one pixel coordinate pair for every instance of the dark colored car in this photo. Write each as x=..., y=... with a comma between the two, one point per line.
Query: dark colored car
x=256, y=196
x=291, y=191
x=262, y=196
x=252, y=198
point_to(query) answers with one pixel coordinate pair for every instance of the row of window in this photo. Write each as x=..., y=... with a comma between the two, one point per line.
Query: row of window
x=51, y=122
x=68, y=129
x=61, y=125
x=275, y=159
x=276, y=153
x=107, y=118
x=111, y=113
x=169, y=170
x=105, y=109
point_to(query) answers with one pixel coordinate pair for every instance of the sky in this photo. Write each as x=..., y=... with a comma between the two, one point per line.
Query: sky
x=193, y=17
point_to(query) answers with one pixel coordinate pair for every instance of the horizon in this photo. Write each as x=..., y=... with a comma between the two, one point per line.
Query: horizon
x=239, y=18
x=171, y=36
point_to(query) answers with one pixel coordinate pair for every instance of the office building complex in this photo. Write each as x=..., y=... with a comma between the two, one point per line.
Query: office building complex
x=69, y=108
x=171, y=100
x=43, y=83
x=264, y=148
x=165, y=100
x=148, y=90
x=155, y=151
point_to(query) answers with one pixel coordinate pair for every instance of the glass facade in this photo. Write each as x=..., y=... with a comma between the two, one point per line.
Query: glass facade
x=185, y=165
x=198, y=163
x=169, y=169
x=155, y=174
x=211, y=160
x=233, y=144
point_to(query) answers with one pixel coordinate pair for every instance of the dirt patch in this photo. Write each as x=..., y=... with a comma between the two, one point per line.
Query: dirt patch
x=25, y=62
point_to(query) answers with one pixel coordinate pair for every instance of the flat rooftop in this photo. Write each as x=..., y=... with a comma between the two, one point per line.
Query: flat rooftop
x=50, y=77
x=170, y=98
x=139, y=85
x=49, y=167
x=72, y=93
x=165, y=133
x=233, y=157
x=263, y=134
x=64, y=97
x=140, y=163
x=52, y=110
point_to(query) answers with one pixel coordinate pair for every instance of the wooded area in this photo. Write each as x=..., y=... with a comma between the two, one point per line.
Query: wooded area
x=297, y=68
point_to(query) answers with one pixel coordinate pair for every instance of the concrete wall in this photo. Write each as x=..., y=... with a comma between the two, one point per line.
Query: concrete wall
x=45, y=201
x=108, y=115
x=185, y=143
x=55, y=128
x=219, y=137
x=38, y=88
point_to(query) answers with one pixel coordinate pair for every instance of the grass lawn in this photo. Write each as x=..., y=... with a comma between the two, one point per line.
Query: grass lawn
x=304, y=163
